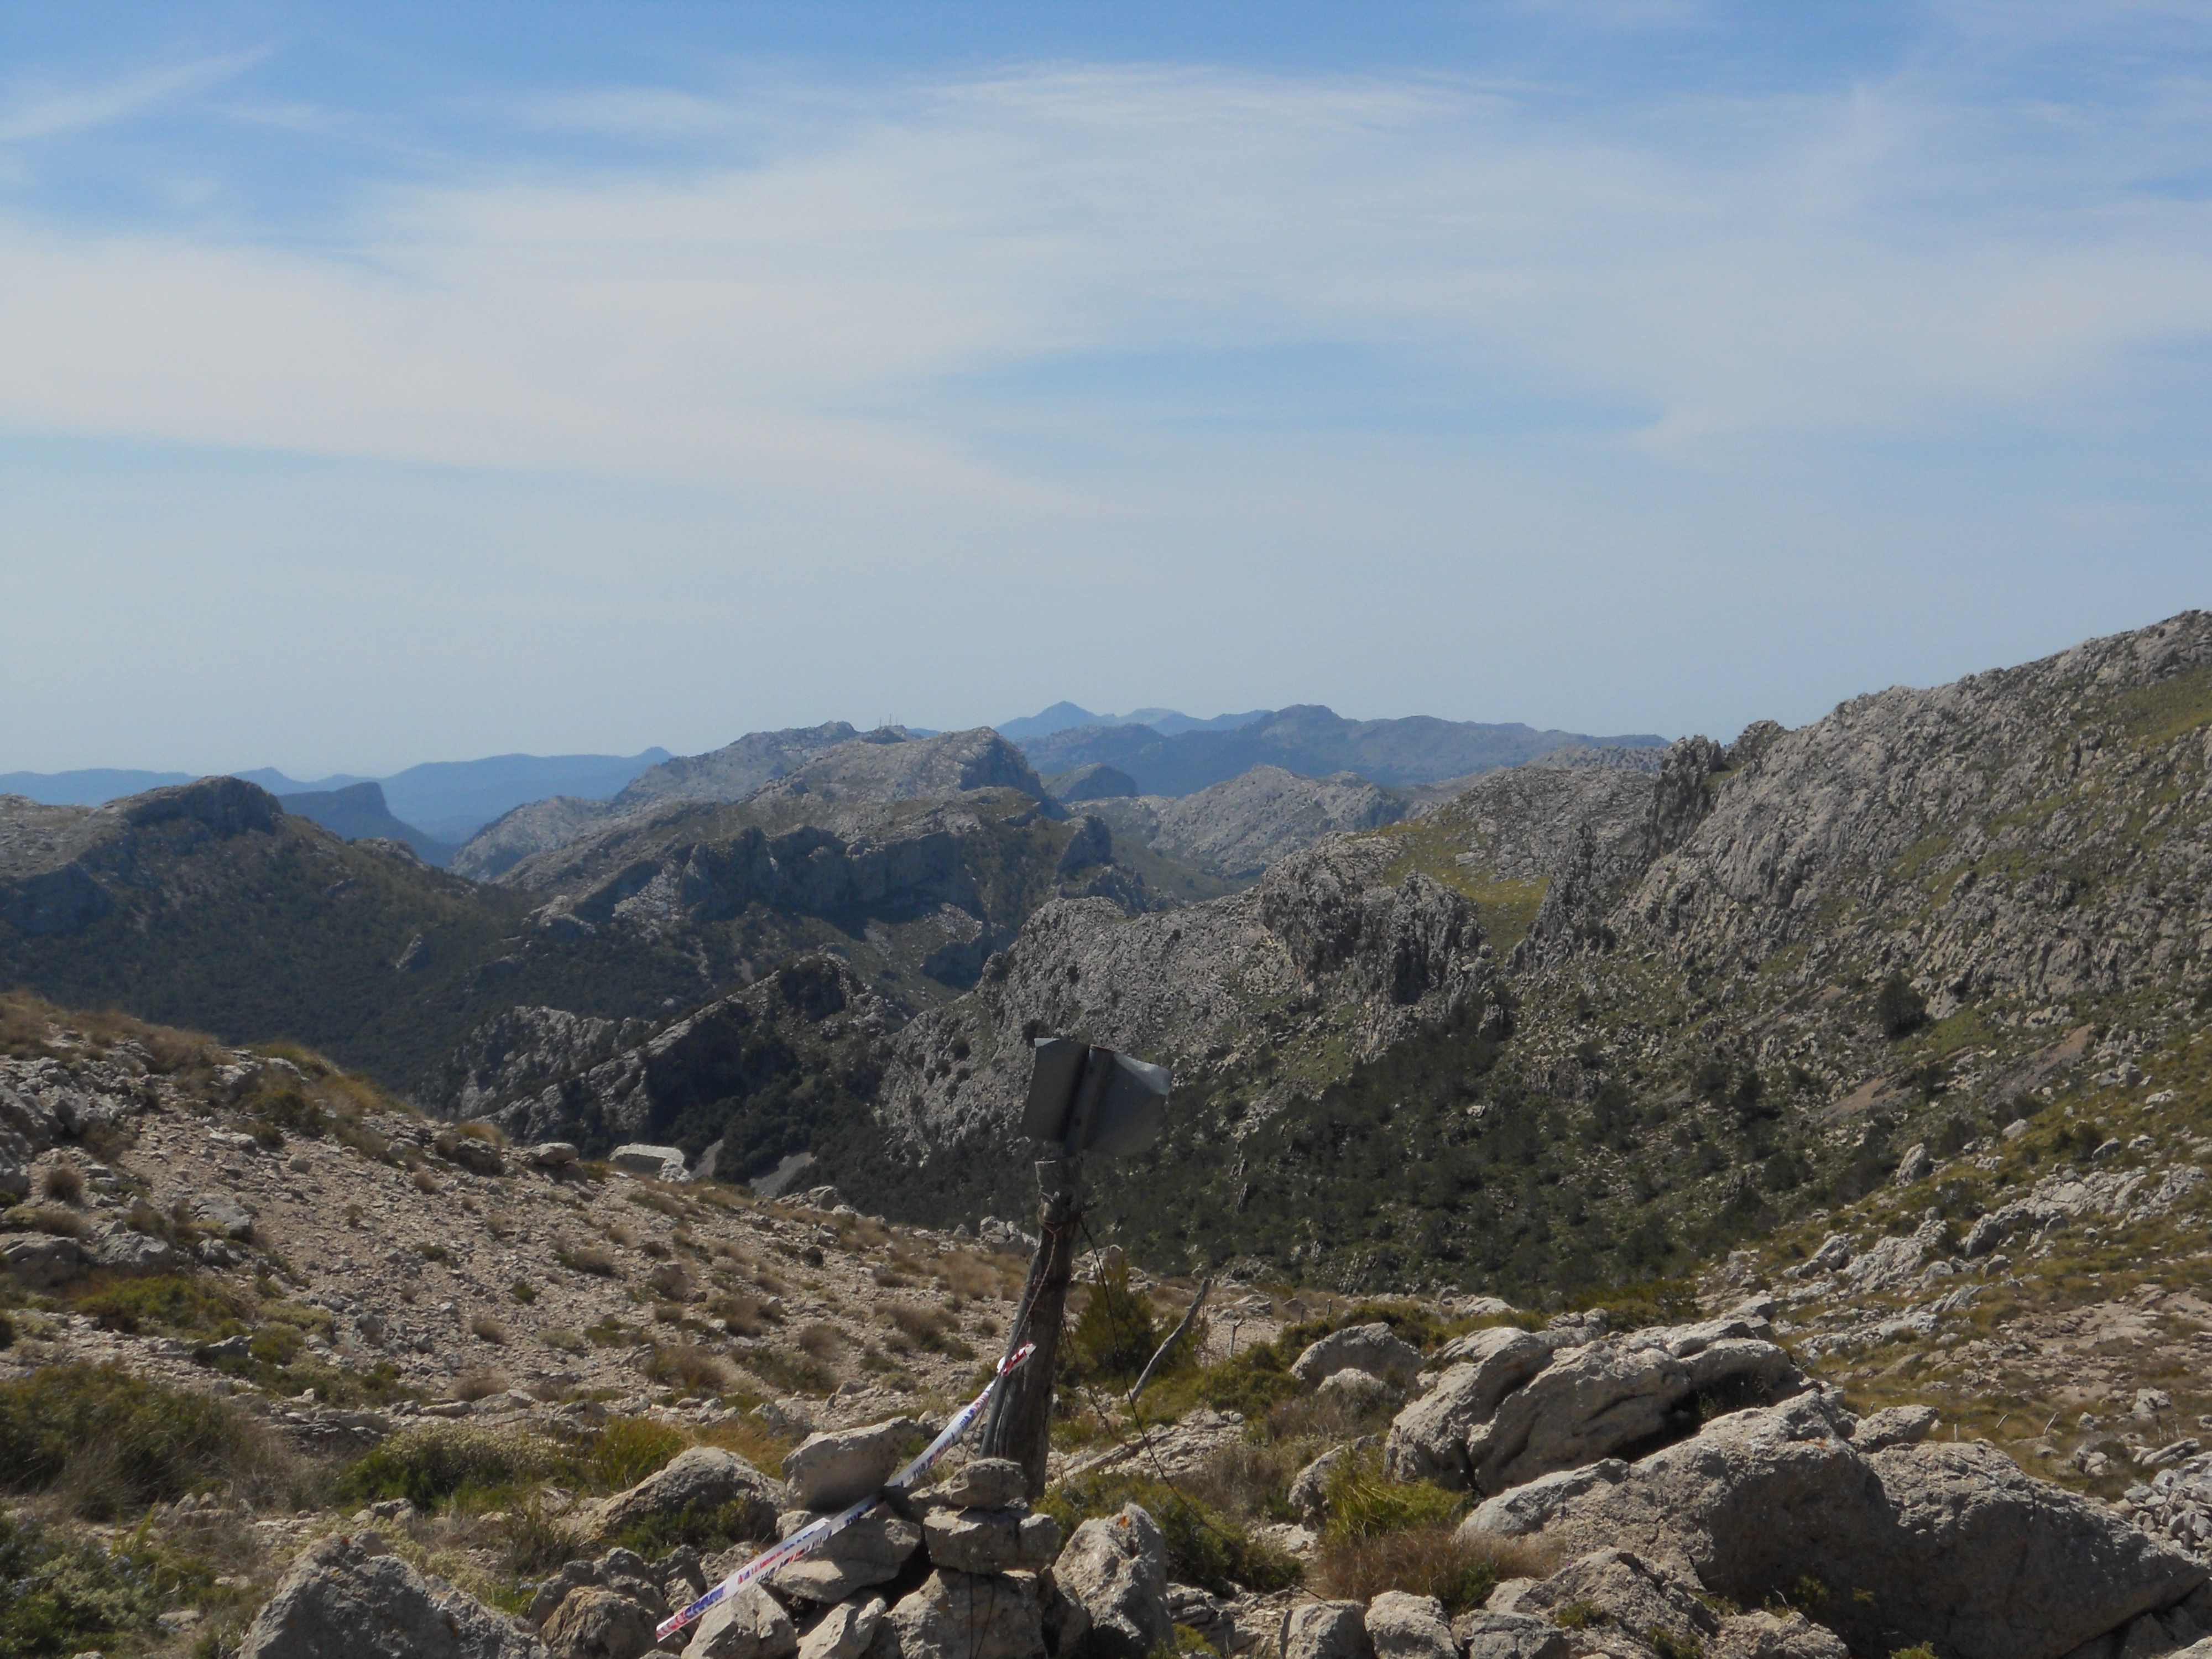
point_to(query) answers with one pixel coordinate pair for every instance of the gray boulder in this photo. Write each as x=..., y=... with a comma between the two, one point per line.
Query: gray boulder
x=1608, y=1396
x=830, y=1470
x=986, y=1483
x=1428, y=1440
x=1631, y=1592
x=1309, y=1487
x=41, y=1260
x=661, y=1162
x=1523, y=1510
x=869, y=1552
x=1484, y=1635
x=1117, y=1566
x=1403, y=1626
x=701, y=1480
x=1358, y=1391
x=592, y=1623
x=347, y=1598
x=844, y=1632
x=123, y=1251
x=1373, y=1349
x=1900, y=1426
x=957, y=1615
x=551, y=1154
x=1776, y=1635
x=1325, y=1629
x=1944, y=1543
x=991, y=1540
x=624, y=1571
x=750, y=1625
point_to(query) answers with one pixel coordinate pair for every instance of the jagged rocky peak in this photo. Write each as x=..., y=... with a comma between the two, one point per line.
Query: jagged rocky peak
x=1239, y=828
x=2036, y=832
x=889, y=765
x=1326, y=933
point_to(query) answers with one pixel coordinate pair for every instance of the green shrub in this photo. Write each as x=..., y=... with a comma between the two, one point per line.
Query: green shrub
x=174, y=1304
x=427, y=1463
x=1898, y=1008
x=113, y=1442
x=1363, y=1502
x=57, y=1594
x=1113, y=1335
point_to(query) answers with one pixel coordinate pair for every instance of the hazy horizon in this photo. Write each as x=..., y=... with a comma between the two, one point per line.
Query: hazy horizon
x=390, y=383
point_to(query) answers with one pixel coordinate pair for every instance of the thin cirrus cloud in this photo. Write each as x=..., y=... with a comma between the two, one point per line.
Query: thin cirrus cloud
x=1858, y=263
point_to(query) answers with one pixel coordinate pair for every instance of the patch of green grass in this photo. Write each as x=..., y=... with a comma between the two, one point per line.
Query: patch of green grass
x=168, y=1304
x=1363, y=1502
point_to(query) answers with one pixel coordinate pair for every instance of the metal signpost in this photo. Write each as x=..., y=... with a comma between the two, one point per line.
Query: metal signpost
x=1082, y=1098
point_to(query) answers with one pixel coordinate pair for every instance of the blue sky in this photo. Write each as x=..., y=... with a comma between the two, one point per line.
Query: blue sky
x=381, y=384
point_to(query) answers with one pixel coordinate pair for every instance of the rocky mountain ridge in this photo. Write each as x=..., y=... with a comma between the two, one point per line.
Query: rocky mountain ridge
x=1313, y=742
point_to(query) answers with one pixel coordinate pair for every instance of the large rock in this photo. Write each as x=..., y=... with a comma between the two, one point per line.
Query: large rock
x=1428, y=1440
x=1947, y=1544
x=844, y=1632
x=624, y=1571
x=661, y=1162
x=991, y=1540
x=1117, y=1566
x=750, y=1625
x=123, y=1251
x=1403, y=1626
x=1326, y=1630
x=1374, y=1349
x=869, y=1552
x=347, y=1598
x=702, y=1481
x=957, y=1615
x=830, y=1470
x=1631, y=1592
x=597, y=1624
x=986, y=1483
x=1776, y=1635
x=1609, y=1396
x=41, y=1260
x=1484, y=1635
x=1309, y=1487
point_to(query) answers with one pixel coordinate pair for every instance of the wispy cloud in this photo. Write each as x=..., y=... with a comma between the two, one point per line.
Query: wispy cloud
x=1876, y=261
x=32, y=109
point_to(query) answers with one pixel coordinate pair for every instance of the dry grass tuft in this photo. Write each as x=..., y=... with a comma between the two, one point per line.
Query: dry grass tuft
x=1459, y=1571
x=483, y=1326
x=688, y=1367
x=819, y=1341
x=480, y=1385
x=63, y=1183
x=427, y=1182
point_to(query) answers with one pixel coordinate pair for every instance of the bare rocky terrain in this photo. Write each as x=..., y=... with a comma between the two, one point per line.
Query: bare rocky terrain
x=1752, y=1204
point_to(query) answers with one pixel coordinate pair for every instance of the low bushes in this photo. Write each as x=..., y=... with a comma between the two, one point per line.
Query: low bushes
x=109, y=1442
x=58, y=1594
x=427, y=1463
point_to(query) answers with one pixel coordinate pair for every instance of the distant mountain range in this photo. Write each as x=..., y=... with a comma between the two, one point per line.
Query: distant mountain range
x=1309, y=740
x=358, y=813
x=444, y=801
x=1065, y=716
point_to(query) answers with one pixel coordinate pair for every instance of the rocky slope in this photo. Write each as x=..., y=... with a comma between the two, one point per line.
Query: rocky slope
x=489, y=1400
x=730, y=773
x=210, y=906
x=1240, y=827
x=882, y=765
x=1737, y=988
x=1311, y=741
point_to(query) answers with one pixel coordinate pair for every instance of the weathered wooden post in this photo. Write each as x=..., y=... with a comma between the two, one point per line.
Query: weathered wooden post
x=1084, y=1098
